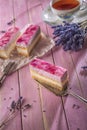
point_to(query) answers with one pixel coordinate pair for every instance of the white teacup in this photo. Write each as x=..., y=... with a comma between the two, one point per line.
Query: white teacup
x=64, y=13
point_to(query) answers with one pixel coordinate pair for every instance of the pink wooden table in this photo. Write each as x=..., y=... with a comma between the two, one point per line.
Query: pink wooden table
x=48, y=111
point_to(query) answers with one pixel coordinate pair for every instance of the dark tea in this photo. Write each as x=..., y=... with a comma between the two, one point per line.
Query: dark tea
x=65, y=4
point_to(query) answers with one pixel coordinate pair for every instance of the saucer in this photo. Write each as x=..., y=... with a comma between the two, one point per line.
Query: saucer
x=52, y=19
x=49, y=17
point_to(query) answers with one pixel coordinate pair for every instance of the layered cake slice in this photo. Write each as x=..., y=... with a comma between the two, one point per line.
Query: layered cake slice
x=8, y=42
x=29, y=38
x=46, y=73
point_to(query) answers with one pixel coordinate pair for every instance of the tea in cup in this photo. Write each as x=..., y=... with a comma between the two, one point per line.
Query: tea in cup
x=65, y=8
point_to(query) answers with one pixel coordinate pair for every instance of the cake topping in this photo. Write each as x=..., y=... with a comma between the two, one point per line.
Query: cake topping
x=6, y=37
x=56, y=70
x=27, y=35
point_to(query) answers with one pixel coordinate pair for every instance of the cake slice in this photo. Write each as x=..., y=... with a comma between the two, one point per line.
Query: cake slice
x=8, y=42
x=51, y=75
x=29, y=38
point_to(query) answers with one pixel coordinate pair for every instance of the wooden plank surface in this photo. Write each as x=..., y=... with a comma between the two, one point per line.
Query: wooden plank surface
x=28, y=89
x=10, y=89
x=20, y=13
x=72, y=105
x=5, y=7
x=47, y=111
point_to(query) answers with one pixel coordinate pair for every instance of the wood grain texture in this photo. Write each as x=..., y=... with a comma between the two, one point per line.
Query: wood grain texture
x=5, y=18
x=8, y=93
x=63, y=118
x=45, y=3
x=20, y=13
x=35, y=14
x=47, y=111
x=49, y=100
x=9, y=90
x=30, y=91
x=31, y=119
x=33, y=4
x=71, y=62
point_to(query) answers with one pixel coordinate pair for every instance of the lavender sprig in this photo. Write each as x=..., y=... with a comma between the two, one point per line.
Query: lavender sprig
x=26, y=107
x=69, y=35
x=14, y=108
x=19, y=103
x=3, y=31
x=13, y=105
x=84, y=67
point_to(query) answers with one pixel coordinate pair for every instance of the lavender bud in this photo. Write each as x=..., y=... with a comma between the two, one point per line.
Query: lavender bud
x=18, y=103
x=84, y=67
x=13, y=105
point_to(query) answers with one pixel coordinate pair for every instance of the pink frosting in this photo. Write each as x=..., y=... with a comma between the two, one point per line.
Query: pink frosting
x=7, y=36
x=42, y=65
x=27, y=35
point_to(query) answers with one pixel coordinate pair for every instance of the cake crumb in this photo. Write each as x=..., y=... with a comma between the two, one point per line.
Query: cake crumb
x=11, y=88
x=34, y=101
x=25, y=116
x=4, y=98
x=75, y=106
x=11, y=22
x=44, y=110
x=9, y=97
x=2, y=31
x=78, y=128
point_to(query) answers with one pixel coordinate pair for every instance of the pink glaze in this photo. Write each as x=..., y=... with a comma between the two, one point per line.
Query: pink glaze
x=7, y=36
x=42, y=65
x=27, y=35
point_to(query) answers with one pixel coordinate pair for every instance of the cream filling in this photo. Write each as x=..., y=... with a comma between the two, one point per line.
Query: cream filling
x=49, y=81
x=22, y=50
x=27, y=50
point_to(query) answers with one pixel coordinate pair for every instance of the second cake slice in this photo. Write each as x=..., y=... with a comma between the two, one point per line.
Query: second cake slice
x=29, y=38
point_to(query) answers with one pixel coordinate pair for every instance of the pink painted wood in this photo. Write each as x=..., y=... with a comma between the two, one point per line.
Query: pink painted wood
x=48, y=111
x=10, y=88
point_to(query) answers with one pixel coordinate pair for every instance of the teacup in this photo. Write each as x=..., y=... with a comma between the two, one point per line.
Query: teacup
x=65, y=8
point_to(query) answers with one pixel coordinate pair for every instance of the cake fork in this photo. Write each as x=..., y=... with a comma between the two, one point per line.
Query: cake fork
x=64, y=92
x=72, y=93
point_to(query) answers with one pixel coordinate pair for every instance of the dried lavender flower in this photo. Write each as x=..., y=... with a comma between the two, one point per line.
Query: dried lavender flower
x=26, y=106
x=11, y=22
x=13, y=105
x=3, y=31
x=84, y=67
x=25, y=116
x=19, y=102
